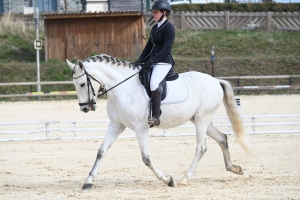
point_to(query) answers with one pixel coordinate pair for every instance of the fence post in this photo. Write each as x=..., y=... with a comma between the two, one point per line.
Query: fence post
x=73, y=129
x=212, y=61
x=229, y=127
x=238, y=84
x=182, y=20
x=253, y=124
x=226, y=20
x=47, y=129
x=290, y=83
x=269, y=21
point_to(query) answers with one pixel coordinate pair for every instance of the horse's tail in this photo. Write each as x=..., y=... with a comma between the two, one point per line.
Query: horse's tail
x=234, y=116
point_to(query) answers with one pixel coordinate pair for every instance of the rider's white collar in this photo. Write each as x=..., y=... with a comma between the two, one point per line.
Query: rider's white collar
x=160, y=23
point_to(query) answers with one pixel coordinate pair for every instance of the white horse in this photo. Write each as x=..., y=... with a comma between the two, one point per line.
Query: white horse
x=128, y=107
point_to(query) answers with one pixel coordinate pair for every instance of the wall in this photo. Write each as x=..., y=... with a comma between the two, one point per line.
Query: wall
x=121, y=5
x=1, y=6
x=78, y=35
x=17, y=6
x=72, y=5
x=96, y=6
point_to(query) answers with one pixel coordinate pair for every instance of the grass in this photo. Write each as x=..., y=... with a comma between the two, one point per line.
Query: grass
x=236, y=44
x=17, y=40
x=237, y=53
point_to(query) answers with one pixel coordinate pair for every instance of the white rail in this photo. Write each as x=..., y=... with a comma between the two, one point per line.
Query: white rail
x=72, y=130
x=238, y=87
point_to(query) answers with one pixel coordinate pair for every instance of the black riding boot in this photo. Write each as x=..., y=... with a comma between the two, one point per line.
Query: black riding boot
x=156, y=100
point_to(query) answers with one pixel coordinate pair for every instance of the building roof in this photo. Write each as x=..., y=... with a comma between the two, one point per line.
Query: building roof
x=78, y=14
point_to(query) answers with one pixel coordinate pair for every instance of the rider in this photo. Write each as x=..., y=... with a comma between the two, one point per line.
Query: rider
x=157, y=53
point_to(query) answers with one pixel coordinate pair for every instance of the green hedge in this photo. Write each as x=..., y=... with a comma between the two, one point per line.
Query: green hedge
x=239, y=7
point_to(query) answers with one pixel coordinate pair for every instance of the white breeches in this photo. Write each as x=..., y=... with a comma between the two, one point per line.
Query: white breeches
x=160, y=70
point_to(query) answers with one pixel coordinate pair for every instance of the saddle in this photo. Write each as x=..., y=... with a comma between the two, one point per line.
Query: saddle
x=145, y=77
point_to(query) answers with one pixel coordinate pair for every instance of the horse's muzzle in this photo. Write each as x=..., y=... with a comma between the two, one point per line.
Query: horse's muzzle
x=89, y=107
x=85, y=109
x=93, y=107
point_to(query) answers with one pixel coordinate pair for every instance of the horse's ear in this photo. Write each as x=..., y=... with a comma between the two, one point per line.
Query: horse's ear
x=80, y=64
x=71, y=65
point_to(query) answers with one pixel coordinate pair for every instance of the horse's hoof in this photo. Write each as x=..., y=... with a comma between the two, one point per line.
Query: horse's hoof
x=171, y=182
x=236, y=169
x=239, y=170
x=182, y=182
x=87, y=186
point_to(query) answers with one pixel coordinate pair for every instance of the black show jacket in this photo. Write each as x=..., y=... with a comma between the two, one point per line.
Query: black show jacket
x=159, y=45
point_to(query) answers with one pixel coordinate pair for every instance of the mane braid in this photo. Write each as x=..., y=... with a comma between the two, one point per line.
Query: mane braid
x=108, y=59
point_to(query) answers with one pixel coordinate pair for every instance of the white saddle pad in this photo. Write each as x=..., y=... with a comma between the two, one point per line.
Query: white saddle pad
x=176, y=92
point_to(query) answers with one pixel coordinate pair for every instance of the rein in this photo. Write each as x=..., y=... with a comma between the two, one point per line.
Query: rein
x=118, y=84
x=88, y=76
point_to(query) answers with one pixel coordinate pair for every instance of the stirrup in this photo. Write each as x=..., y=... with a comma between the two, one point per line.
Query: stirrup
x=153, y=121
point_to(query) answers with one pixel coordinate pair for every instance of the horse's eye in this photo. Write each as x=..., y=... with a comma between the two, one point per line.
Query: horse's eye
x=82, y=84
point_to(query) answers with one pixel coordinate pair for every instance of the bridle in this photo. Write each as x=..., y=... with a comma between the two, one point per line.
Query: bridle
x=89, y=85
x=102, y=88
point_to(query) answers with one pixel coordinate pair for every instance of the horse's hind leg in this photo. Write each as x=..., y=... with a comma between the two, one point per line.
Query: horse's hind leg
x=114, y=130
x=221, y=139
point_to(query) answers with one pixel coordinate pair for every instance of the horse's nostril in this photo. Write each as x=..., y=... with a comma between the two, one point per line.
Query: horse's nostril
x=85, y=110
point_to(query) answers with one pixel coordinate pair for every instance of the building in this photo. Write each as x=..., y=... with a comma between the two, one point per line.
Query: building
x=26, y=6
x=78, y=35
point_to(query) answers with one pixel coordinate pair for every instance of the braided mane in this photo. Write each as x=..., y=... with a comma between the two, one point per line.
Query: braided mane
x=109, y=59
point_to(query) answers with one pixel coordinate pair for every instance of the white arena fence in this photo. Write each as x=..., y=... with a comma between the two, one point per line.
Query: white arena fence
x=96, y=129
x=238, y=88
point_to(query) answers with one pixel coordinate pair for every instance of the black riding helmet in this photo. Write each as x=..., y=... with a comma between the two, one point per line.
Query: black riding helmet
x=162, y=6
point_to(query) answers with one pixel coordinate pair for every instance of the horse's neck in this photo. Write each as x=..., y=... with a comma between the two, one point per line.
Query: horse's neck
x=112, y=75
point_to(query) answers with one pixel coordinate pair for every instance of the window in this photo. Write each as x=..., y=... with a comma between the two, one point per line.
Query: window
x=47, y=5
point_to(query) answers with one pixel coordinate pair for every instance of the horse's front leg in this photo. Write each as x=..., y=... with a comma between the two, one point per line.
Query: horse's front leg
x=201, y=128
x=143, y=139
x=114, y=130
